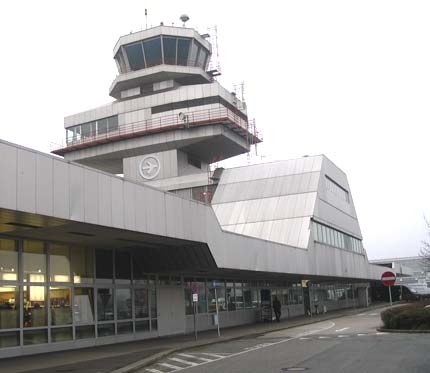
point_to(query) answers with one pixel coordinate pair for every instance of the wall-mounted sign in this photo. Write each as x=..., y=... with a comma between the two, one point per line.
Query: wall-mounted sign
x=149, y=167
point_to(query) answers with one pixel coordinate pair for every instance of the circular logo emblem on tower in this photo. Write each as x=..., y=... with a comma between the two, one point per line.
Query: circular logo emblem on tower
x=149, y=167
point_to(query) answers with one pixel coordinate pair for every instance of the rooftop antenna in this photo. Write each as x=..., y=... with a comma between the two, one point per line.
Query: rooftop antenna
x=146, y=19
x=184, y=18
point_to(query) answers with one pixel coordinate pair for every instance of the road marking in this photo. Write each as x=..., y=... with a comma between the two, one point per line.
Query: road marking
x=341, y=330
x=381, y=333
x=343, y=335
x=361, y=314
x=305, y=338
x=154, y=370
x=174, y=367
x=182, y=361
x=361, y=334
x=373, y=314
x=261, y=346
x=195, y=357
x=214, y=355
x=323, y=337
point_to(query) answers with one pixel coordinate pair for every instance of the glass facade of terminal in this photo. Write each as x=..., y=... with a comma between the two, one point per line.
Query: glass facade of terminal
x=53, y=293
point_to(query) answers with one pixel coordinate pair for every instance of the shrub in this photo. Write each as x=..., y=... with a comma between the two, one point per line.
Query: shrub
x=409, y=317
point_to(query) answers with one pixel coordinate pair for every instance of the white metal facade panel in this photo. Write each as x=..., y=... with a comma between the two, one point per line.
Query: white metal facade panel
x=77, y=193
x=117, y=203
x=44, y=185
x=129, y=196
x=26, y=187
x=91, y=188
x=104, y=199
x=61, y=189
x=8, y=167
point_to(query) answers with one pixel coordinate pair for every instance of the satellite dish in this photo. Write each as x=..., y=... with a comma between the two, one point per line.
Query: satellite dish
x=184, y=18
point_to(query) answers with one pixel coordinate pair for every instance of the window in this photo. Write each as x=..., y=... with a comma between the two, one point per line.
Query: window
x=59, y=258
x=82, y=265
x=8, y=260
x=104, y=304
x=102, y=126
x=122, y=267
x=169, y=48
x=336, y=189
x=141, y=303
x=123, y=304
x=83, y=306
x=332, y=237
x=104, y=266
x=183, y=50
x=152, y=49
x=61, y=310
x=135, y=56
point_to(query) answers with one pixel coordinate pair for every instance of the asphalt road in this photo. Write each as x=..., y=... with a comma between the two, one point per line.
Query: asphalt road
x=348, y=344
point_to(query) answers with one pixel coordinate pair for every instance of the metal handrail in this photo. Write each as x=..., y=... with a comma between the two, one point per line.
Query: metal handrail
x=188, y=119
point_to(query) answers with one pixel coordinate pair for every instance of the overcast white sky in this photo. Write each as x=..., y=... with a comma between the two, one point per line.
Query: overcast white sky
x=350, y=79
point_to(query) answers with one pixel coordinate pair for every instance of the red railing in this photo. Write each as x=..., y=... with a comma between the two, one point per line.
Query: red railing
x=183, y=120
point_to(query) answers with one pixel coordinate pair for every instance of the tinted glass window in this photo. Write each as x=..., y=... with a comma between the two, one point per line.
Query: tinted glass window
x=104, y=267
x=122, y=267
x=152, y=52
x=193, y=55
x=135, y=56
x=183, y=49
x=121, y=63
x=102, y=126
x=113, y=123
x=169, y=47
x=201, y=59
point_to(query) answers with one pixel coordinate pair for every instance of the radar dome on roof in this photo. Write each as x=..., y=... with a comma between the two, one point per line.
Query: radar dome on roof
x=184, y=18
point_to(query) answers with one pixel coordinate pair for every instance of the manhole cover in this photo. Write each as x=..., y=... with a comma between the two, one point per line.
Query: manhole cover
x=294, y=369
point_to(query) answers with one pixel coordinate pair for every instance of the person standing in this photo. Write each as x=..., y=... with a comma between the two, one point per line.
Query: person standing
x=277, y=308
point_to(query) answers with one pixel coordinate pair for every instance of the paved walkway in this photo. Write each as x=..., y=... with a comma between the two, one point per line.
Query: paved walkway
x=126, y=357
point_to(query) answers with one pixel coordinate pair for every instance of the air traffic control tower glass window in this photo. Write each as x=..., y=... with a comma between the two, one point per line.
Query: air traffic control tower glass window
x=169, y=50
x=152, y=49
x=135, y=56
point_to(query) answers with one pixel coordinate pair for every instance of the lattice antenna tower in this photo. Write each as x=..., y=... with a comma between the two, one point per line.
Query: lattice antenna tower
x=239, y=90
x=214, y=63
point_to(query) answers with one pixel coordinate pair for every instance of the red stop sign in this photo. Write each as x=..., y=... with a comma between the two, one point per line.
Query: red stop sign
x=388, y=278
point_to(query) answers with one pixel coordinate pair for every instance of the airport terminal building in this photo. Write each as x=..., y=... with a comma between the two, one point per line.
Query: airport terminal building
x=108, y=239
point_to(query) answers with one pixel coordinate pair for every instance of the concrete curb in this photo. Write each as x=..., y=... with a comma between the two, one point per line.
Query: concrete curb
x=410, y=331
x=152, y=359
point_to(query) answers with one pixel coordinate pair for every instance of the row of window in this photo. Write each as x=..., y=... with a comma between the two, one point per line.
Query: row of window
x=54, y=263
x=35, y=306
x=332, y=237
x=90, y=129
x=232, y=296
x=336, y=189
x=167, y=50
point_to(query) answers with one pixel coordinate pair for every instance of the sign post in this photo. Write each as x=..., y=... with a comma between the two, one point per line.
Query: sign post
x=215, y=285
x=195, y=300
x=388, y=278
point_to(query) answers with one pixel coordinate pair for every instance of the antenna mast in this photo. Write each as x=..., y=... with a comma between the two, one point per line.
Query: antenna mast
x=146, y=19
x=214, y=63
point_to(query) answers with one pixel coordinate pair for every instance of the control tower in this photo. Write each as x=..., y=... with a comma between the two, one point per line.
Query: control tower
x=170, y=119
